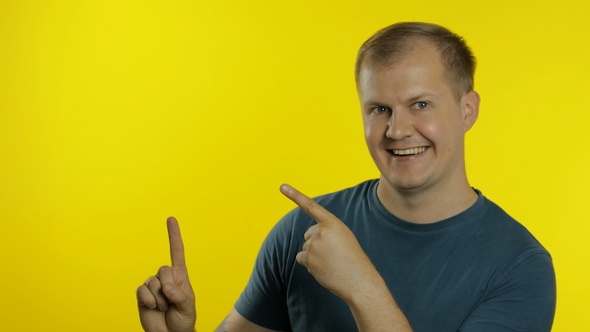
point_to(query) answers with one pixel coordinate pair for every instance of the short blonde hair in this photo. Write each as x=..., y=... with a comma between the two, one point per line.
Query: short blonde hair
x=394, y=41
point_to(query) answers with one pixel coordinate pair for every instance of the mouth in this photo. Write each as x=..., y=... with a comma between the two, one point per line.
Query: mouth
x=407, y=152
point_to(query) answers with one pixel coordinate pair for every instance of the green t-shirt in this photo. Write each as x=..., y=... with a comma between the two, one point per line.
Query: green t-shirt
x=477, y=271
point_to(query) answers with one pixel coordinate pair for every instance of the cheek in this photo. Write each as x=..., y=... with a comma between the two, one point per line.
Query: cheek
x=374, y=130
x=368, y=132
x=433, y=129
x=445, y=133
x=440, y=129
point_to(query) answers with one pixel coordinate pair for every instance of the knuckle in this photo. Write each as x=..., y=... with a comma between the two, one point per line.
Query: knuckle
x=163, y=269
x=163, y=305
x=153, y=283
x=311, y=232
x=308, y=206
x=301, y=259
x=322, y=232
x=140, y=290
x=306, y=246
x=145, y=297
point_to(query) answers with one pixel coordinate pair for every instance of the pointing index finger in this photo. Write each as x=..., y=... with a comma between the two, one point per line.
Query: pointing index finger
x=176, y=245
x=316, y=211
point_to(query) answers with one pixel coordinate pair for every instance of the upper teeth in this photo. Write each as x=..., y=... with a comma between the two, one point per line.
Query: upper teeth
x=409, y=151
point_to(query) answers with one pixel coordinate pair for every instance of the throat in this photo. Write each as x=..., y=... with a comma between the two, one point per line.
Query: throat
x=425, y=207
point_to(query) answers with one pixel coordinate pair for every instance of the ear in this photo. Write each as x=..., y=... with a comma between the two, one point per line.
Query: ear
x=470, y=109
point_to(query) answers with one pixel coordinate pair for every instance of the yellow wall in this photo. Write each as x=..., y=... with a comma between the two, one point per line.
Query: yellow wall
x=116, y=114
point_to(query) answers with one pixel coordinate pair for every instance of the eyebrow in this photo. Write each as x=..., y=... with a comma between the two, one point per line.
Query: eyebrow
x=413, y=99
x=422, y=95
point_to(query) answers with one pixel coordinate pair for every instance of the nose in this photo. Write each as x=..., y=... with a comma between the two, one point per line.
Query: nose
x=399, y=126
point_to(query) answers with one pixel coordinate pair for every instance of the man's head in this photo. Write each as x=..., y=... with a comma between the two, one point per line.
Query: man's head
x=395, y=41
x=417, y=107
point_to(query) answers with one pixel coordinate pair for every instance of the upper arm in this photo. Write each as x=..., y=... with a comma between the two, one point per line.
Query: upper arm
x=263, y=301
x=234, y=322
x=525, y=301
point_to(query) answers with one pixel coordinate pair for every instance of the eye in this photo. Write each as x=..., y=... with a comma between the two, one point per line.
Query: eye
x=381, y=109
x=420, y=105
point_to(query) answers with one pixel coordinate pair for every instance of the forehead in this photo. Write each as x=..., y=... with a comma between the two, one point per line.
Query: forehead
x=419, y=68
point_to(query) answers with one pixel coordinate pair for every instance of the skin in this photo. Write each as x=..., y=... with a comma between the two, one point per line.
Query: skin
x=166, y=301
x=408, y=104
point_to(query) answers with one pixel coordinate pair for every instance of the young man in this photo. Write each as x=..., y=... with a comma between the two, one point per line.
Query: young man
x=418, y=249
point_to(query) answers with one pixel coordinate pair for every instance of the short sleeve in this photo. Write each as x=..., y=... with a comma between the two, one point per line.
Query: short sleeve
x=263, y=301
x=523, y=300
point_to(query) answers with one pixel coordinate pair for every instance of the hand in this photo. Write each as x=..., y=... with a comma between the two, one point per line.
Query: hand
x=166, y=301
x=331, y=252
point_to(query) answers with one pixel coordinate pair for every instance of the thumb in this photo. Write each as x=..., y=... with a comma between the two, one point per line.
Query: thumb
x=177, y=296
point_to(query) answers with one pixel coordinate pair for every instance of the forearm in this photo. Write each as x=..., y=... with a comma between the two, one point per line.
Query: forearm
x=375, y=309
x=235, y=322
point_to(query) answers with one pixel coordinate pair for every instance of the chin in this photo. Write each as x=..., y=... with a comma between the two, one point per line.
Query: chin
x=401, y=185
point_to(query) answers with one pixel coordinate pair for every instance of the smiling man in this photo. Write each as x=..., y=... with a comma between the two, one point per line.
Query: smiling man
x=417, y=249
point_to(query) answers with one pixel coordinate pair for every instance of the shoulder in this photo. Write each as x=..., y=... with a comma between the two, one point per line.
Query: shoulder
x=523, y=259
x=496, y=247
x=350, y=200
x=507, y=232
x=517, y=281
x=342, y=203
x=359, y=191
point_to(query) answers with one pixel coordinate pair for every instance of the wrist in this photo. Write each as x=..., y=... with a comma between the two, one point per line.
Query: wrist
x=375, y=309
x=370, y=294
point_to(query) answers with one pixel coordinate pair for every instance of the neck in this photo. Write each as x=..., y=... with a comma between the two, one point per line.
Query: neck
x=429, y=205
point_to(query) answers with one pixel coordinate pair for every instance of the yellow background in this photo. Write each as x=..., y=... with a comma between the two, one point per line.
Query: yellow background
x=116, y=114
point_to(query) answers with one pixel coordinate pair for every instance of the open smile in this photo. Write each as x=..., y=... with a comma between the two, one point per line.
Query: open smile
x=407, y=152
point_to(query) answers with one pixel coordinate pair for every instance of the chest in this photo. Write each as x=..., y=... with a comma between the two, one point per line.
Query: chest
x=436, y=282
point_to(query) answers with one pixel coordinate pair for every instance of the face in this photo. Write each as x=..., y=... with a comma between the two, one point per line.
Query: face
x=414, y=125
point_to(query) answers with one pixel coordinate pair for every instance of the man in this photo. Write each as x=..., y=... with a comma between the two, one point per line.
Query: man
x=418, y=249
